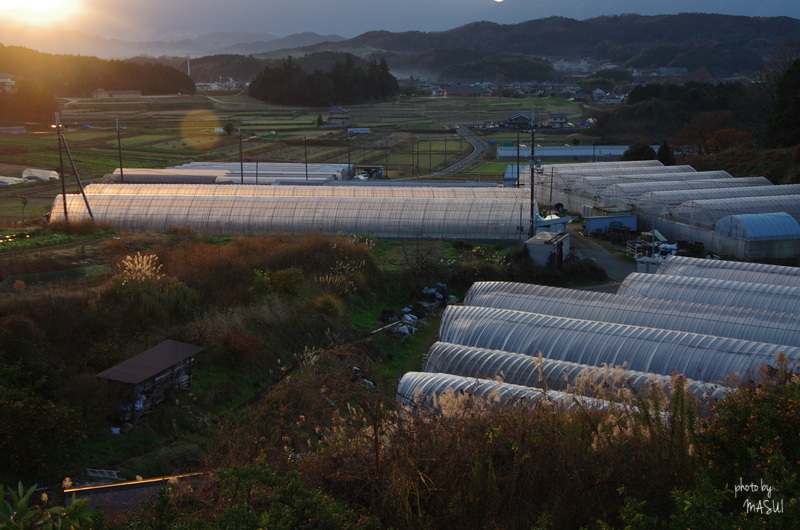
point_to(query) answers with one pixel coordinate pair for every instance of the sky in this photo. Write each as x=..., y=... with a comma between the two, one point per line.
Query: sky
x=176, y=19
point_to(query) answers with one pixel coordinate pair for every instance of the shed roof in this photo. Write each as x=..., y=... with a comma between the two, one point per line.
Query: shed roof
x=151, y=362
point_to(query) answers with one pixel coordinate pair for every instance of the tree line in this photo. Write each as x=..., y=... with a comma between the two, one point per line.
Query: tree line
x=41, y=77
x=286, y=83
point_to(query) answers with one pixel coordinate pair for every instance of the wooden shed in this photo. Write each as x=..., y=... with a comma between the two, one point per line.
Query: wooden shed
x=152, y=375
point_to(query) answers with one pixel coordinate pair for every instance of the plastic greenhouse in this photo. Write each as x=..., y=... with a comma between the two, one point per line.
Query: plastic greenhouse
x=730, y=270
x=723, y=321
x=519, y=369
x=663, y=202
x=762, y=296
x=422, y=388
x=760, y=235
x=709, y=211
x=702, y=357
x=564, y=180
x=594, y=186
x=239, y=190
x=627, y=193
x=398, y=217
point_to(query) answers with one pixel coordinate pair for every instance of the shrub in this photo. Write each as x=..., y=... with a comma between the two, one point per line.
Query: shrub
x=329, y=305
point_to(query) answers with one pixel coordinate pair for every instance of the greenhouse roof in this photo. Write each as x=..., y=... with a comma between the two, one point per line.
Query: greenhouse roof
x=702, y=357
x=499, y=219
x=626, y=193
x=780, y=298
x=665, y=201
x=759, y=226
x=724, y=321
x=731, y=270
x=709, y=211
x=422, y=387
x=519, y=369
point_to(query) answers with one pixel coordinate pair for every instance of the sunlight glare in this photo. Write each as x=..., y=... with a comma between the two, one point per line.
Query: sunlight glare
x=38, y=12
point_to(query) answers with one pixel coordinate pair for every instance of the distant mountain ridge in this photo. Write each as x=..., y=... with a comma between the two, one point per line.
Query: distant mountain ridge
x=70, y=42
x=726, y=44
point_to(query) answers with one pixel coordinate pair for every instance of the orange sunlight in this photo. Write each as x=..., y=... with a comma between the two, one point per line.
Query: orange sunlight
x=38, y=12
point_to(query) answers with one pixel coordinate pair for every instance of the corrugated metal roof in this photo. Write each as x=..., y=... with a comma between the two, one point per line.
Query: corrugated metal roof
x=151, y=362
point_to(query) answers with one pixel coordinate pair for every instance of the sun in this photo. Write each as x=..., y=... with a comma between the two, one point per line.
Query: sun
x=38, y=12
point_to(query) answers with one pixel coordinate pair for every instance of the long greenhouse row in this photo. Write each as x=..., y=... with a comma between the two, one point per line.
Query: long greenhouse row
x=432, y=215
x=705, y=325
x=749, y=218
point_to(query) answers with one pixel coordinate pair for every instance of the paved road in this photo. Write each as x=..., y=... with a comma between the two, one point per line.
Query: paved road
x=479, y=150
x=616, y=267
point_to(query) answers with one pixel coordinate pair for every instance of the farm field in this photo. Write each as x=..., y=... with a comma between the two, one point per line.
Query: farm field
x=408, y=138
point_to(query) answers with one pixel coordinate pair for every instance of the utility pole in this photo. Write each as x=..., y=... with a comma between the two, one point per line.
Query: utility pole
x=305, y=154
x=533, y=168
x=241, y=157
x=119, y=150
x=61, y=168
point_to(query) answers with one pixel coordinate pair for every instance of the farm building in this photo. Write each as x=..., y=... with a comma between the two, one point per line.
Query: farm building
x=152, y=375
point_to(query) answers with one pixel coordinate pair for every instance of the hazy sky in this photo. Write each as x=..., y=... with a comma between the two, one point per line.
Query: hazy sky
x=172, y=19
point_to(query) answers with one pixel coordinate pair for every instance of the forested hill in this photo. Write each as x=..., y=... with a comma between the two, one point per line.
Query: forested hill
x=722, y=44
x=78, y=76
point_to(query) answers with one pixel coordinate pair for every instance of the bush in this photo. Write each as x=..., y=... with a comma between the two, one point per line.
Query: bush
x=329, y=305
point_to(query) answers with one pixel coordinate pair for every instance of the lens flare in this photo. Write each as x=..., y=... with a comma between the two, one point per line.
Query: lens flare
x=39, y=12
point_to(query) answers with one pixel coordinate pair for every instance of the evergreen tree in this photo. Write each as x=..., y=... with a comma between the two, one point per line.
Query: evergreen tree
x=784, y=124
x=639, y=151
x=665, y=154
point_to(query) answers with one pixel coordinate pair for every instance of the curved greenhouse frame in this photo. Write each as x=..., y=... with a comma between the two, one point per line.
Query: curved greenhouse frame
x=738, y=271
x=722, y=321
x=594, y=186
x=627, y=193
x=780, y=298
x=567, y=179
x=422, y=387
x=663, y=202
x=525, y=370
x=702, y=357
x=400, y=218
x=708, y=211
x=239, y=190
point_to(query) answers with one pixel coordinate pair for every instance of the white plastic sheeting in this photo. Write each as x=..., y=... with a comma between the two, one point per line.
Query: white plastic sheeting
x=739, y=271
x=702, y=357
x=519, y=369
x=708, y=211
x=421, y=387
x=567, y=180
x=628, y=193
x=780, y=298
x=722, y=321
x=759, y=227
x=239, y=190
x=399, y=217
x=594, y=186
x=663, y=202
